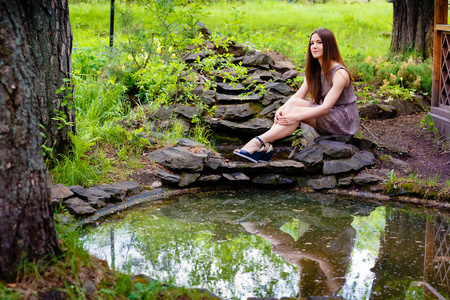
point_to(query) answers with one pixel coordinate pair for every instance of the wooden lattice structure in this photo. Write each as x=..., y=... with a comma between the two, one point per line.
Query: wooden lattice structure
x=440, y=98
x=436, y=275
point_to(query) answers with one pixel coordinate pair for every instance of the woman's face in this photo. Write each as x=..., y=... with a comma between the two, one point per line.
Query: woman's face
x=316, y=46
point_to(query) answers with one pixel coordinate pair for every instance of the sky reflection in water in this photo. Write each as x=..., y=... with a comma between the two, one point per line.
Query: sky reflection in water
x=276, y=244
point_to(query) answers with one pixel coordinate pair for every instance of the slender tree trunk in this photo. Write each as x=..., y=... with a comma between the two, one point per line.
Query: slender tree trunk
x=413, y=26
x=26, y=88
x=51, y=40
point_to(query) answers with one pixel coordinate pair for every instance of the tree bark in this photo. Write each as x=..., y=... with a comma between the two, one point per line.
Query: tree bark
x=412, y=28
x=26, y=88
x=51, y=40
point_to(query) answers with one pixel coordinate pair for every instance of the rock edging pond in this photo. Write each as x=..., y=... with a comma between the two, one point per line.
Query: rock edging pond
x=334, y=164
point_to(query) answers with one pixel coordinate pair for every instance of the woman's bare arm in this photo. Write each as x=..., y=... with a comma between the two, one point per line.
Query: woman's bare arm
x=340, y=80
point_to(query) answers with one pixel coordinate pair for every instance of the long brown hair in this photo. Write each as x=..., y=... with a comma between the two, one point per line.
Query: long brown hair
x=312, y=66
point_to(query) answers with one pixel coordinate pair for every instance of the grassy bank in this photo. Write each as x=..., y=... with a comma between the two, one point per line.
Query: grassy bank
x=77, y=275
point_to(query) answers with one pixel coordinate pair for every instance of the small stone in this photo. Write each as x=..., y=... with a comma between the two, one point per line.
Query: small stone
x=89, y=287
x=327, y=182
x=345, y=181
x=76, y=206
x=79, y=191
x=168, y=177
x=236, y=176
x=188, y=178
x=60, y=192
x=365, y=178
x=209, y=178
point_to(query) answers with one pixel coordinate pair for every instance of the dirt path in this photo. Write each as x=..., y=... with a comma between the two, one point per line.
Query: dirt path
x=427, y=156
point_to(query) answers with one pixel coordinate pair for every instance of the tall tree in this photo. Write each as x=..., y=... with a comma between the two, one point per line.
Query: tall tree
x=412, y=27
x=50, y=35
x=35, y=49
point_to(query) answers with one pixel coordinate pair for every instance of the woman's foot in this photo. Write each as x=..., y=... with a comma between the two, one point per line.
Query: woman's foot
x=252, y=151
x=267, y=153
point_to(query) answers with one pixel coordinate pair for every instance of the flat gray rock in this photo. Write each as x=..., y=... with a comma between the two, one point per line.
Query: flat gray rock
x=365, y=178
x=188, y=178
x=185, y=142
x=179, y=158
x=253, y=126
x=358, y=161
x=233, y=112
x=337, y=149
x=309, y=156
x=79, y=192
x=168, y=177
x=60, y=192
x=326, y=182
x=280, y=87
x=236, y=176
x=76, y=206
x=273, y=179
x=224, y=98
x=131, y=187
x=117, y=192
x=209, y=178
x=254, y=58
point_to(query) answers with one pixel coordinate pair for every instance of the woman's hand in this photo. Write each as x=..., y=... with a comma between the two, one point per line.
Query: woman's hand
x=287, y=120
x=278, y=114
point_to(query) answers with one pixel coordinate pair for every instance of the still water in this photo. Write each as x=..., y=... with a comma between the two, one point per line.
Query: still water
x=263, y=243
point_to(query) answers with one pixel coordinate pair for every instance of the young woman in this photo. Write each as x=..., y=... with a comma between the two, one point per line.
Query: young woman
x=333, y=109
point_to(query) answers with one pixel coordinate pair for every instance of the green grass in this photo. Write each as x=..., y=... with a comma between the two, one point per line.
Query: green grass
x=360, y=28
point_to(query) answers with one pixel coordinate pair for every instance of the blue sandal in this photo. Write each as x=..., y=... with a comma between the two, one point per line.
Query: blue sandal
x=253, y=157
x=267, y=155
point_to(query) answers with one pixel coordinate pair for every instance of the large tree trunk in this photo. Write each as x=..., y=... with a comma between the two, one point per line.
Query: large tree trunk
x=51, y=40
x=413, y=26
x=27, y=86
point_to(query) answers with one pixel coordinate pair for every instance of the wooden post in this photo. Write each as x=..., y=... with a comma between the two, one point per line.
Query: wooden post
x=440, y=17
x=111, y=25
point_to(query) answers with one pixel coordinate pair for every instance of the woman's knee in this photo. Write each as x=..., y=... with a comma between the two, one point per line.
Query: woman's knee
x=297, y=103
x=300, y=109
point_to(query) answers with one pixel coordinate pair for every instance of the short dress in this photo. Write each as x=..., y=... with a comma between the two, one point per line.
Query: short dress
x=343, y=117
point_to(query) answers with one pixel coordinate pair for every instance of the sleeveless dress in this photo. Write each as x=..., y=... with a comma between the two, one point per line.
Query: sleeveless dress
x=342, y=118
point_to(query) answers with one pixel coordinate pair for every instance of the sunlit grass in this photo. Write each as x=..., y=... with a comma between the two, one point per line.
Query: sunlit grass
x=359, y=27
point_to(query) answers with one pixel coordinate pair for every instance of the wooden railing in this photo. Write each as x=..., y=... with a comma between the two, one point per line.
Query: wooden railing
x=440, y=97
x=444, y=68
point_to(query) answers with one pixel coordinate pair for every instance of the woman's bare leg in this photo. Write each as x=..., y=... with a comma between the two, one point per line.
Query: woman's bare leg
x=277, y=132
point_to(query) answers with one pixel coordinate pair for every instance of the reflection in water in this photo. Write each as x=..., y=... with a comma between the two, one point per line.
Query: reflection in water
x=274, y=244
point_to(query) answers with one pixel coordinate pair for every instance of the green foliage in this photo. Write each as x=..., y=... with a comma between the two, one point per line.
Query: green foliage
x=87, y=61
x=8, y=294
x=391, y=183
x=399, y=75
x=395, y=92
x=427, y=122
x=432, y=180
x=201, y=134
x=60, y=115
x=79, y=168
x=161, y=82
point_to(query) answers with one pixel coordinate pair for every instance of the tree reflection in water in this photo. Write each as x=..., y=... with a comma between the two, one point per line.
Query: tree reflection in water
x=270, y=244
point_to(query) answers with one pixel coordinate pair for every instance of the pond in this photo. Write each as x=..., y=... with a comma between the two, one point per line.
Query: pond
x=271, y=243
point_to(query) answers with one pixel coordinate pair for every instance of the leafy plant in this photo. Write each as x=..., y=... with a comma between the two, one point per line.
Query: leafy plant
x=427, y=122
x=391, y=183
x=432, y=180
